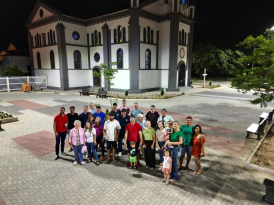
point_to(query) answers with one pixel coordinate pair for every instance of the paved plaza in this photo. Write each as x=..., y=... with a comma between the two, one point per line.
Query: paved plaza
x=29, y=175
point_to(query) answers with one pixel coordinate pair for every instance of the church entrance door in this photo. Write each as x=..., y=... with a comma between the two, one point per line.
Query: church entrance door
x=96, y=80
x=182, y=73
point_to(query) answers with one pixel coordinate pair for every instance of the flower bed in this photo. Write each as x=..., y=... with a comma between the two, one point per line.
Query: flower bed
x=6, y=117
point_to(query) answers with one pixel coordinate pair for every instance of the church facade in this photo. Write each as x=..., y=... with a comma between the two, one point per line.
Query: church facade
x=151, y=43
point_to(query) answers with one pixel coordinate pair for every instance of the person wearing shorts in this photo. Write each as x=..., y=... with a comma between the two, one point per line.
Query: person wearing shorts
x=187, y=130
x=132, y=157
x=111, y=132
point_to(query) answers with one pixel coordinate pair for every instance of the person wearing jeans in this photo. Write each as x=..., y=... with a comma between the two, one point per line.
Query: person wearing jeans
x=99, y=136
x=160, y=140
x=123, y=120
x=60, y=130
x=176, y=138
x=77, y=139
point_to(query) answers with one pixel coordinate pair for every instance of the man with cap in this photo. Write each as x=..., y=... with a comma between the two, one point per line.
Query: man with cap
x=111, y=133
x=123, y=120
x=100, y=114
x=116, y=111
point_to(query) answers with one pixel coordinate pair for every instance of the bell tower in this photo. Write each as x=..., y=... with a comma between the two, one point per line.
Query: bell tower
x=134, y=3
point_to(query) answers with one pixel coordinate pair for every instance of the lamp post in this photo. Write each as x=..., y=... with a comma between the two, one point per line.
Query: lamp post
x=204, y=76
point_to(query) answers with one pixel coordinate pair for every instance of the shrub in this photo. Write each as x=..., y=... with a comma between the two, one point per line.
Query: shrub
x=126, y=93
x=97, y=104
x=210, y=83
x=107, y=111
x=102, y=89
x=13, y=71
x=183, y=93
x=162, y=92
x=191, y=82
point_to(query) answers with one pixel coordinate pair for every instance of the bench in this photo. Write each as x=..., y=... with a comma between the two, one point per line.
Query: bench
x=257, y=129
x=0, y=125
x=269, y=116
x=85, y=91
x=101, y=93
x=269, y=193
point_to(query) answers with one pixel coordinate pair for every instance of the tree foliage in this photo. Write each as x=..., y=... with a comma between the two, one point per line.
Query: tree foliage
x=13, y=71
x=218, y=62
x=108, y=73
x=260, y=78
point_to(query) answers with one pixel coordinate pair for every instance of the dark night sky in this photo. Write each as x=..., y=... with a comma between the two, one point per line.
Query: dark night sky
x=223, y=22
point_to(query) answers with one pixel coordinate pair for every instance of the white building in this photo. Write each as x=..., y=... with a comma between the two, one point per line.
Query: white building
x=151, y=42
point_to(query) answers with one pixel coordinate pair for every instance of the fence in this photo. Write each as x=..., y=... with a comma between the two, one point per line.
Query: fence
x=8, y=84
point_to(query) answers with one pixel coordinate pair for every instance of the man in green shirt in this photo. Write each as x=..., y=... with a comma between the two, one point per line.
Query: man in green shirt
x=187, y=130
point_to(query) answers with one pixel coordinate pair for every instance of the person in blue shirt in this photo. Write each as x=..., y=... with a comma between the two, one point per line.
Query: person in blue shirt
x=141, y=121
x=100, y=114
x=123, y=120
x=136, y=111
x=83, y=117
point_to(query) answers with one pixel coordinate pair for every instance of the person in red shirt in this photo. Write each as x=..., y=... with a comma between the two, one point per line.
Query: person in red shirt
x=133, y=133
x=60, y=130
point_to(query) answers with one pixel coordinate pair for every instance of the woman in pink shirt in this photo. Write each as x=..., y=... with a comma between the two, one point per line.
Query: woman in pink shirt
x=77, y=139
x=99, y=136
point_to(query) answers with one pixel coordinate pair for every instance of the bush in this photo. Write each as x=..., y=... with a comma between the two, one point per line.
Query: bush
x=183, y=93
x=102, y=89
x=162, y=92
x=126, y=93
x=191, y=82
x=97, y=104
x=210, y=83
x=107, y=111
x=13, y=71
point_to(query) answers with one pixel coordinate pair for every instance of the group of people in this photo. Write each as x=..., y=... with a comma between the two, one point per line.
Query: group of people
x=137, y=132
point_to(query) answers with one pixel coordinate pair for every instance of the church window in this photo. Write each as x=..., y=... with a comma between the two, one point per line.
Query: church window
x=75, y=35
x=124, y=34
x=115, y=36
x=38, y=60
x=96, y=57
x=100, y=38
x=180, y=37
x=148, y=59
x=152, y=36
x=52, y=62
x=41, y=13
x=148, y=34
x=120, y=56
x=144, y=35
x=77, y=60
x=183, y=37
x=119, y=34
x=92, y=39
x=96, y=37
x=54, y=40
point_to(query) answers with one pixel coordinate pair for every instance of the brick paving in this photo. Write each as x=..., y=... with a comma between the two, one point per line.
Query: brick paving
x=29, y=175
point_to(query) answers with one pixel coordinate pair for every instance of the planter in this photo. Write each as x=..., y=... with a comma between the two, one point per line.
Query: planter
x=9, y=119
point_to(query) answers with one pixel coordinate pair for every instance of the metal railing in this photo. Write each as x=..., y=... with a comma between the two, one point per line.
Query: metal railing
x=13, y=83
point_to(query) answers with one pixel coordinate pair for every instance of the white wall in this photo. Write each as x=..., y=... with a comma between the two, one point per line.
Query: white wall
x=143, y=48
x=70, y=56
x=93, y=50
x=45, y=56
x=164, y=45
x=70, y=28
x=164, y=78
x=152, y=8
x=179, y=56
x=46, y=14
x=114, y=49
x=149, y=79
x=122, y=79
x=144, y=23
x=53, y=76
x=80, y=78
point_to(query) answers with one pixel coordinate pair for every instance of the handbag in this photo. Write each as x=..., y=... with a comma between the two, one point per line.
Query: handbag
x=84, y=149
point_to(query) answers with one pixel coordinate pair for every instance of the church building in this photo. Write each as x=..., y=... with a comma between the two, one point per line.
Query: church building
x=151, y=42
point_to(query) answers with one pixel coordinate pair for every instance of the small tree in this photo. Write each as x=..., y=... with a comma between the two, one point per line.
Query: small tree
x=260, y=78
x=210, y=83
x=13, y=71
x=108, y=73
x=126, y=93
x=162, y=92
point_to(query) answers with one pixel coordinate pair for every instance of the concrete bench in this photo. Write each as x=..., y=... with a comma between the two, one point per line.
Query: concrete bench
x=269, y=193
x=269, y=116
x=101, y=93
x=85, y=91
x=257, y=129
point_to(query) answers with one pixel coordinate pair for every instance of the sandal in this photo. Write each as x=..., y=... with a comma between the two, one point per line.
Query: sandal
x=179, y=168
x=199, y=172
x=97, y=163
x=195, y=172
x=115, y=160
x=167, y=183
x=108, y=161
x=89, y=161
x=164, y=180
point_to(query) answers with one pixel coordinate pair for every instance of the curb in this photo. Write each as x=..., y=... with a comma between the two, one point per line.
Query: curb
x=256, y=167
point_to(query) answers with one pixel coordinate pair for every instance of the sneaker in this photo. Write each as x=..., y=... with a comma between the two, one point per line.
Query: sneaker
x=119, y=154
x=57, y=157
x=130, y=167
x=135, y=167
x=82, y=163
x=75, y=163
x=63, y=153
x=128, y=164
x=138, y=164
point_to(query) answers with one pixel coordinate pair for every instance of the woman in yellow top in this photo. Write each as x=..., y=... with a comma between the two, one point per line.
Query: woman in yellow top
x=149, y=142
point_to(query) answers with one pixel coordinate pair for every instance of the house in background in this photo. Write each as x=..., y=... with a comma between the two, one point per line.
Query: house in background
x=150, y=41
x=11, y=56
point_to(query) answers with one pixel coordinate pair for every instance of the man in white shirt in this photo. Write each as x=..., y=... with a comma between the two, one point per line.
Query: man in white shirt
x=92, y=109
x=111, y=132
x=165, y=118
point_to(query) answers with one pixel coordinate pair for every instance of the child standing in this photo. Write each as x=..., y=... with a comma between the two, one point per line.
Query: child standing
x=132, y=157
x=168, y=130
x=167, y=166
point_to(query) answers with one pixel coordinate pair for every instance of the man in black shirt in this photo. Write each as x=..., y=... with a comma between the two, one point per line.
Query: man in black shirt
x=123, y=120
x=72, y=116
x=152, y=116
x=116, y=111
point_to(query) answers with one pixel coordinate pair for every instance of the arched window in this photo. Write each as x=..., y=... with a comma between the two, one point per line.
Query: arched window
x=96, y=37
x=52, y=62
x=39, y=61
x=36, y=45
x=100, y=38
x=120, y=58
x=119, y=34
x=77, y=60
x=51, y=38
x=183, y=37
x=115, y=36
x=40, y=40
x=148, y=59
x=54, y=41
x=191, y=13
x=92, y=39
x=148, y=34
x=152, y=36
x=180, y=35
x=144, y=35
x=48, y=39
x=124, y=34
